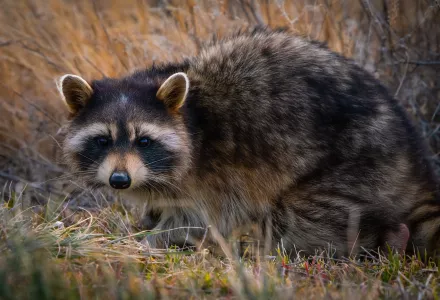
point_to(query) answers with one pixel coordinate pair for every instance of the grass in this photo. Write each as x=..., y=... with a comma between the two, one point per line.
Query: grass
x=58, y=240
x=65, y=255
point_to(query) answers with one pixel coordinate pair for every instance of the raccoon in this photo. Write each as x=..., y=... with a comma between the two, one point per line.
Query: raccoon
x=264, y=128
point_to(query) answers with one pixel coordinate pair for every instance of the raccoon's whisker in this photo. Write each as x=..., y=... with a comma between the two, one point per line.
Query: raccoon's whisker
x=153, y=162
x=162, y=169
x=149, y=187
x=55, y=140
x=88, y=158
x=86, y=188
x=85, y=172
x=163, y=180
x=68, y=175
x=61, y=177
x=162, y=183
x=154, y=186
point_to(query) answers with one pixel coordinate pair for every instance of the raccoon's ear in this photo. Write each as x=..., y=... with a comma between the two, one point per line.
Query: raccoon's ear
x=75, y=92
x=174, y=90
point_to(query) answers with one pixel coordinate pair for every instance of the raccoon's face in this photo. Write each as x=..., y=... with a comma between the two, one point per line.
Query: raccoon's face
x=128, y=133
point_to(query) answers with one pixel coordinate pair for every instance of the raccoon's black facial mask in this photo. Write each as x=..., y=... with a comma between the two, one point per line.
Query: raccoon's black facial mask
x=140, y=151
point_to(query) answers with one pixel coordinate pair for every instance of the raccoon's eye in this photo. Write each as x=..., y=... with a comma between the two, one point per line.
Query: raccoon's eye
x=102, y=142
x=143, y=142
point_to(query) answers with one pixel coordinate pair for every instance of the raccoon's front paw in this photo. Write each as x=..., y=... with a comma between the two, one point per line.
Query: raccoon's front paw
x=167, y=239
x=150, y=220
x=153, y=242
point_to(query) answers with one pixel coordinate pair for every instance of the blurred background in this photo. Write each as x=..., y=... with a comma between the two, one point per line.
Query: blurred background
x=396, y=40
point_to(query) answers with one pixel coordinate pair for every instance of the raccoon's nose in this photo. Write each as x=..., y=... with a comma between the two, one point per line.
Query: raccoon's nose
x=120, y=180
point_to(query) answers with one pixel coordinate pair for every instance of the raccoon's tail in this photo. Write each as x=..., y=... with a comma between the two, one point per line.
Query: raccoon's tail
x=424, y=226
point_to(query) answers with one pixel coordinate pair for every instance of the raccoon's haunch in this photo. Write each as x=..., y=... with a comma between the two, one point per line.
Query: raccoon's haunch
x=262, y=130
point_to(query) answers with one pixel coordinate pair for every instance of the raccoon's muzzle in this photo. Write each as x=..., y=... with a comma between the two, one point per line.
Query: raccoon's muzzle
x=120, y=180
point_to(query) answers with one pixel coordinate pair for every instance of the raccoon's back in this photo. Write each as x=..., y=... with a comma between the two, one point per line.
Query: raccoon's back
x=286, y=107
x=276, y=100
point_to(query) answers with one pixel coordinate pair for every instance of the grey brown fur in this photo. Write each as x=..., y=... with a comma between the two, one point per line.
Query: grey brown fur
x=274, y=130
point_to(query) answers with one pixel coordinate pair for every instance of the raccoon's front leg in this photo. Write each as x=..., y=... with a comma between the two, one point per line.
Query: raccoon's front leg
x=177, y=226
x=150, y=219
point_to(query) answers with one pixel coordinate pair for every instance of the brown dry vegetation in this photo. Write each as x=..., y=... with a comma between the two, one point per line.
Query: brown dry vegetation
x=398, y=41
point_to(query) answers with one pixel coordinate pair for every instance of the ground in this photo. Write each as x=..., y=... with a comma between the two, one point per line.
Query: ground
x=58, y=253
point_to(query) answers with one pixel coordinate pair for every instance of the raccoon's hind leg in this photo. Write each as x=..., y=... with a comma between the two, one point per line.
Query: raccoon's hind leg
x=305, y=224
x=424, y=226
x=310, y=221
